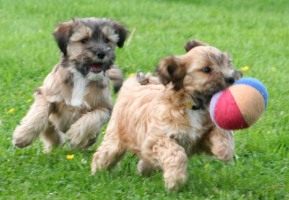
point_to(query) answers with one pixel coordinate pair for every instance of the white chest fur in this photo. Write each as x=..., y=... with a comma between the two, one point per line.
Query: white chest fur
x=188, y=136
x=196, y=119
x=79, y=89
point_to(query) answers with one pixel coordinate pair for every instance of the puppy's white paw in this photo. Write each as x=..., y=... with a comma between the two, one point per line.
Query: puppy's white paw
x=97, y=164
x=22, y=139
x=174, y=182
x=225, y=153
x=75, y=138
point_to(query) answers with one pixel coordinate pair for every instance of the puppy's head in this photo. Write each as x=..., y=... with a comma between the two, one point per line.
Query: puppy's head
x=201, y=72
x=88, y=44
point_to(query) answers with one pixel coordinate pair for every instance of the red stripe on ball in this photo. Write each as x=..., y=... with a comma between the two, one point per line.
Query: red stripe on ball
x=227, y=113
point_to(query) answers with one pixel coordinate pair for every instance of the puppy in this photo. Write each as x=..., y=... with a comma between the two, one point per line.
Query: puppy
x=165, y=123
x=75, y=97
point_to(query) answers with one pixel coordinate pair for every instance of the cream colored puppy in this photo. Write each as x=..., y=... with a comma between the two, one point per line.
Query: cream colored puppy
x=164, y=121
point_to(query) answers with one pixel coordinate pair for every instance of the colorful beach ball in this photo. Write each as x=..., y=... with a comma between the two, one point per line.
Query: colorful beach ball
x=240, y=105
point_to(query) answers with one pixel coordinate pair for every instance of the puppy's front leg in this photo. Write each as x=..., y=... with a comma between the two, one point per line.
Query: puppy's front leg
x=35, y=121
x=109, y=152
x=220, y=143
x=115, y=75
x=84, y=131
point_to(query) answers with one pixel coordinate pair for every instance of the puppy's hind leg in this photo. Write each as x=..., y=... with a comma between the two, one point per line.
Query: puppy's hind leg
x=108, y=153
x=35, y=121
x=170, y=157
x=51, y=138
x=85, y=130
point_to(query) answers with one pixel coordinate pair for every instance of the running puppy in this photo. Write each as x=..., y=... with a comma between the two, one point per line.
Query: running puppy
x=167, y=120
x=75, y=98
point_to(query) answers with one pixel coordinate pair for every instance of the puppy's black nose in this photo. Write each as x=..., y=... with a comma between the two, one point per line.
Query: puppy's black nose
x=230, y=80
x=101, y=55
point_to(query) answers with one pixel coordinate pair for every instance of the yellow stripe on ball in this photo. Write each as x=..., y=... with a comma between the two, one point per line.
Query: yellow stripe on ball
x=251, y=104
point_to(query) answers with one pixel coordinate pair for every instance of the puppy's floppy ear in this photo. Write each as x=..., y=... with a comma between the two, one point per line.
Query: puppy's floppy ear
x=122, y=33
x=62, y=34
x=171, y=70
x=192, y=44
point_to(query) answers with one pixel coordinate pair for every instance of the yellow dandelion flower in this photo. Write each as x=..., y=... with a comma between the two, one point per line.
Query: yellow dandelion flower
x=11, y=111
x=245, y=69
x=131, y=75
x=207, y=166
x=70, y=157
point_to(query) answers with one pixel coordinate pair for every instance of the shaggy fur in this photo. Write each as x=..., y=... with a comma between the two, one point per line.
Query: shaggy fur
x=165, y=123
x=75, y=97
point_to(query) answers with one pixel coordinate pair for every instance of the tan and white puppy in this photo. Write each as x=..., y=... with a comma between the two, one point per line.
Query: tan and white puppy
x=167, y=120
x=75, y=97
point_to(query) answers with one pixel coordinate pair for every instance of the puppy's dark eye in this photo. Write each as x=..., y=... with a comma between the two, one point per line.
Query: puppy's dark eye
x=207, y=69
x=106, y=40
x=84, y=40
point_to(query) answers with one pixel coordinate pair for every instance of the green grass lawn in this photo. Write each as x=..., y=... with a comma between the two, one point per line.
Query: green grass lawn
x=256, y=33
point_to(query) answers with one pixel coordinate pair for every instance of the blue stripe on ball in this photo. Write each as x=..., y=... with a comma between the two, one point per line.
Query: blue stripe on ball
x=257, y=85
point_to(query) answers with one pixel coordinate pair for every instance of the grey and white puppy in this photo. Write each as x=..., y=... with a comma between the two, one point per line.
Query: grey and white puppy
x=75, y=100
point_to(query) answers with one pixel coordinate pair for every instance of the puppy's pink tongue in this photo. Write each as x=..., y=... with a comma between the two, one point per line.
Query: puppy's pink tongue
x=95, y=68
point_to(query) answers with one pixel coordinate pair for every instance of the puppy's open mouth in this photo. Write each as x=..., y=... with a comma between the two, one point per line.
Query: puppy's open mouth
x=96, y=68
